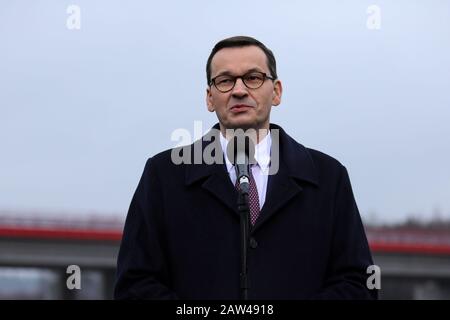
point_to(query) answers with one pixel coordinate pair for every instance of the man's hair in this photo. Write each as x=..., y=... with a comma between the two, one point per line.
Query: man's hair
x=242, y=41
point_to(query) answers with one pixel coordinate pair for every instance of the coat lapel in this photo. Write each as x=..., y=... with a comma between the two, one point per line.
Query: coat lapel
x=295, y=165
x=220, y=186
x=280, y=189
x=213, y=177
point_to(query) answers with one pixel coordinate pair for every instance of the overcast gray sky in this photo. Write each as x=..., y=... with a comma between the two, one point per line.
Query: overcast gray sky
x=82, y=110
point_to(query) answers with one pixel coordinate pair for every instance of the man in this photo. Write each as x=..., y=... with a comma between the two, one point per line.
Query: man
x=182, y=238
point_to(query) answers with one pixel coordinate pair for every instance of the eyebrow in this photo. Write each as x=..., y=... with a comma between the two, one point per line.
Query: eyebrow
x=229, y=73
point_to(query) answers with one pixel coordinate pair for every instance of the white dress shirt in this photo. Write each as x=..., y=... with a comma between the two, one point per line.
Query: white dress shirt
x=259, y=170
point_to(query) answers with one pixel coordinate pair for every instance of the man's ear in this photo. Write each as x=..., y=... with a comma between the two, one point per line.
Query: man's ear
x=277, y=91
x=209, y=100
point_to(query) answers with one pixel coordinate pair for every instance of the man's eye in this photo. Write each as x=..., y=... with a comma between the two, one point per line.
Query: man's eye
x=224, y=81
x=253, y=77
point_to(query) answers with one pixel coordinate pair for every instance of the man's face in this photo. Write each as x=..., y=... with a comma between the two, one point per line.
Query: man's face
x=242, y=107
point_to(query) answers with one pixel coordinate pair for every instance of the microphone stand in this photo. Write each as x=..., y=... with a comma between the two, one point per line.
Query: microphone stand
x=238, y=152
x=244, y=213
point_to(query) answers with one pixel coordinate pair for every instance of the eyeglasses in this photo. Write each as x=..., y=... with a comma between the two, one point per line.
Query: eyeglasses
x=252, y=80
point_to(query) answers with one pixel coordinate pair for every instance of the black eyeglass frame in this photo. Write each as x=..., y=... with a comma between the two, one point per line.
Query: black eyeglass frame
x=265, y=77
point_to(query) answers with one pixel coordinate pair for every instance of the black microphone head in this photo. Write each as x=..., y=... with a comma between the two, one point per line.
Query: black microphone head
x=241, y=147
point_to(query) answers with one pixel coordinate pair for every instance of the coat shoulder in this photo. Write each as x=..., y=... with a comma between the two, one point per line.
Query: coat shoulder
x=328, y=168
x=322, y=159
x=161, y=158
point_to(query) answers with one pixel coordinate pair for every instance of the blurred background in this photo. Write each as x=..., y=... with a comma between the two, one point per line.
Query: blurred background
x=90, y=89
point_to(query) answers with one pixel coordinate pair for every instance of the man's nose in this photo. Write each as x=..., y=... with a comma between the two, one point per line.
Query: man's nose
x=239, y=90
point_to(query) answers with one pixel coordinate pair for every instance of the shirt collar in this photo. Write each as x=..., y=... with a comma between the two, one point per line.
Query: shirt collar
x=262, y=152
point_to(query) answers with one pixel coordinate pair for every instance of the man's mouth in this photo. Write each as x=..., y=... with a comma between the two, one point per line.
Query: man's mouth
x=240, y=108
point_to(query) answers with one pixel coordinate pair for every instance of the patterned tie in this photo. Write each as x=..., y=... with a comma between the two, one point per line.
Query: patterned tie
x=253, y=198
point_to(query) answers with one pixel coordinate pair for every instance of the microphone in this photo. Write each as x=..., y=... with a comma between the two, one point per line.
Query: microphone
x=241, y=152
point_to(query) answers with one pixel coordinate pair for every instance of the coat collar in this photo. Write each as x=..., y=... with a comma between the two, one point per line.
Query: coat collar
x=294, y=157
x=295, y=163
